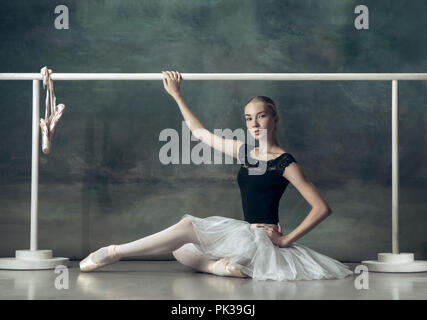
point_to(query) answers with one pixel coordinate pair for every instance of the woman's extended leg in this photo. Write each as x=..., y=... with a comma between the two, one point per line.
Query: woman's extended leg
x=164, y=241
x=161, y=242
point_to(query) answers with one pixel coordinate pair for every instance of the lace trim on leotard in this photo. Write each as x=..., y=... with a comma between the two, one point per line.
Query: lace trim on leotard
x=284, y=160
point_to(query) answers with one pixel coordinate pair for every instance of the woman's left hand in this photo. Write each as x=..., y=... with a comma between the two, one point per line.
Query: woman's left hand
x=272, y=233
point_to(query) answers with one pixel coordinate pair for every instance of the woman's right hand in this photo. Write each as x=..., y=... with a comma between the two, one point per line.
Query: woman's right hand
x=172, y=82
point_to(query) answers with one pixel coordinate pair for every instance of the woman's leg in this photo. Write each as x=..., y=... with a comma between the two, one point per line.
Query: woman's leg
x=193, y=260
x=161, y=242
x=202, y=263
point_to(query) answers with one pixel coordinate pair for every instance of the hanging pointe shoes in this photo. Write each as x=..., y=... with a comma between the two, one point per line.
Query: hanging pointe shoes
x=48, y=124
x=88, y=265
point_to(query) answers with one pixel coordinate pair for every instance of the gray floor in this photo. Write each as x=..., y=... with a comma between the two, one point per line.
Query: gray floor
x=171, y=280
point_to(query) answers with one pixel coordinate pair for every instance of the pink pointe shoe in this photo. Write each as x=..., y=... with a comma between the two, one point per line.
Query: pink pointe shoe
x=45, y=136
x=59, y=110
x=87, y=265
x=230, y=270
x=235, y=271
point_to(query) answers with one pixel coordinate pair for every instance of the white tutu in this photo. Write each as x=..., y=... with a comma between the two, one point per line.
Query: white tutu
x=251, y=248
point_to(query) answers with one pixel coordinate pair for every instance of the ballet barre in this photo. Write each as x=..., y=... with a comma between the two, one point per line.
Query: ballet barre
x=387, y=262
x=223, y=76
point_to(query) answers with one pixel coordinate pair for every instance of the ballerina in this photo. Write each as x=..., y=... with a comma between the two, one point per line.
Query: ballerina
x=254, y=247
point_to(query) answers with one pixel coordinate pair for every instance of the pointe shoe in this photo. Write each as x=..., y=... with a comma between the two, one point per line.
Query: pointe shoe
x=87, y=265
x=59, y=110
x=230, y=270
x=235, y=271
x=45, y=136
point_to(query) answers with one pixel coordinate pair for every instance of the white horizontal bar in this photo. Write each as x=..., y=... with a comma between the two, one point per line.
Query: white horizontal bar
x=220, y=76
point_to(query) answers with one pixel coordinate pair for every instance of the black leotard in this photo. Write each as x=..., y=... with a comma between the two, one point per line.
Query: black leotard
x=261, y=193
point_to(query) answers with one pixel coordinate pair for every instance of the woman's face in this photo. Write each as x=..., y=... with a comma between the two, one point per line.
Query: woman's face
x=259, y=116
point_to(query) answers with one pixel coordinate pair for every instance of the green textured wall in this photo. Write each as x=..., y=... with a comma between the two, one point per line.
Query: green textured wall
x=103, y=182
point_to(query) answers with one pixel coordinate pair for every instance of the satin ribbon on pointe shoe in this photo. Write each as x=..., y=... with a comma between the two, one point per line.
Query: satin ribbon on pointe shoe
x=48, y=124
x=88, y=265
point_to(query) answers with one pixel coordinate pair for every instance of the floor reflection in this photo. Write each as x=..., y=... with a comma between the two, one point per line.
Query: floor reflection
x=169, y=280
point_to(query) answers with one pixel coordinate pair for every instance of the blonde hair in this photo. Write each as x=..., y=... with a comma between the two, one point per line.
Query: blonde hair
x=267, y=101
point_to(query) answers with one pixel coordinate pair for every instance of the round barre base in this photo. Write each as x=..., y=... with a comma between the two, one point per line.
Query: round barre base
x=32, y=260
x=402, y=262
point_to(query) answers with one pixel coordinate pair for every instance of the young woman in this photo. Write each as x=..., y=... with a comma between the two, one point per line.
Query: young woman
x=254, y=247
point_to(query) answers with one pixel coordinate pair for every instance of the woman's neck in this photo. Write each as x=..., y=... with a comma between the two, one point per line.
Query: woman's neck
x=267, y=148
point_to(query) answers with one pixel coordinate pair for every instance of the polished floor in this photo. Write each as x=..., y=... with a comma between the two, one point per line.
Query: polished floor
x=170, y=280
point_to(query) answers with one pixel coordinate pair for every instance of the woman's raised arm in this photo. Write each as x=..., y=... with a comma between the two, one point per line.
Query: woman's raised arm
x=228, y=146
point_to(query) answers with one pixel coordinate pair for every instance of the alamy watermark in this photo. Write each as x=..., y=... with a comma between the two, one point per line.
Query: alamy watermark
x=62, y=281
x=201, y=153
x=362, y=280
x=61, y=21
x=362, y=20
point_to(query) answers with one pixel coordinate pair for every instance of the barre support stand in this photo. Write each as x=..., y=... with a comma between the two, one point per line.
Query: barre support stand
x=34, y=259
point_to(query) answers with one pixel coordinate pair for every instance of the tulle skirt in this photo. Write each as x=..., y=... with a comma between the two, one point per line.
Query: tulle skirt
x=251, y=248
